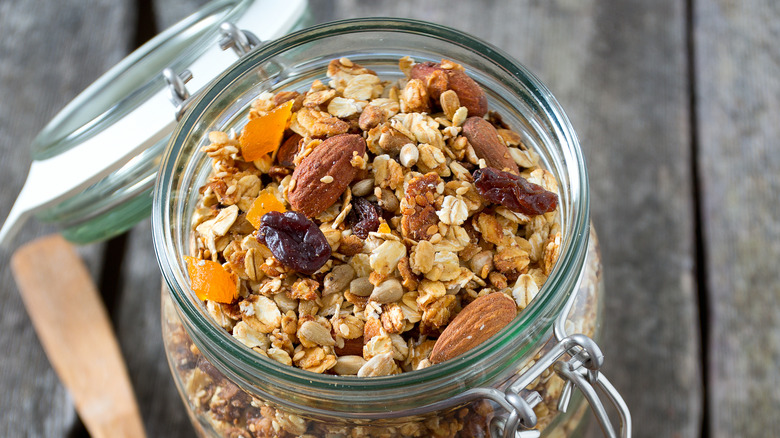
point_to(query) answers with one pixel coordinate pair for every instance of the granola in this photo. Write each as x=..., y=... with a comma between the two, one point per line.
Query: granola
x=377, y=305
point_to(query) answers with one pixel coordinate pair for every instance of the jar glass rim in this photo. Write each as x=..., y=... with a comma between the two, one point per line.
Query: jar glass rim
x=537, y=316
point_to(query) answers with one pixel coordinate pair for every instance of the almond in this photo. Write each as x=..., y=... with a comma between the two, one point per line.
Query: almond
x=287, y=151
x=310, y=195
x=477, y=322
x=483, y=137
x=438, y=80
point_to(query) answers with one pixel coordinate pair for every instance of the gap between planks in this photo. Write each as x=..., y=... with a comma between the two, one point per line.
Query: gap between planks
x=699, y=246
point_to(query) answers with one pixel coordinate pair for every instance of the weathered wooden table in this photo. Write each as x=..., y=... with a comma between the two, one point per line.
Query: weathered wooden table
x=676, y=105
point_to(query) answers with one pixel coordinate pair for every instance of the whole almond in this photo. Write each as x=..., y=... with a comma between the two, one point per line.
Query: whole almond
x=483, y=137
x=433, y=77
x=477, y=322
x=438, y=80
x=311, y=195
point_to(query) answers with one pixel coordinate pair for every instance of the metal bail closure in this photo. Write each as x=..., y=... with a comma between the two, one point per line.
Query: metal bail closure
x=241, y=41
x=581, y=371
x=180, y=97
x=521, y=416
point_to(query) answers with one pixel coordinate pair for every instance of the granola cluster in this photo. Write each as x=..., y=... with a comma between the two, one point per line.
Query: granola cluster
x=387, y=291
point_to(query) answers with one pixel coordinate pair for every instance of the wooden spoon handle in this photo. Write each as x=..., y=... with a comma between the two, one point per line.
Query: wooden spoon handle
x=74, y=329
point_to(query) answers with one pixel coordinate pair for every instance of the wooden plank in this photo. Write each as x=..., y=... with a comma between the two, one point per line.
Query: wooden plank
x=137, y=319
x=628, y=98
x=619, y=70
x=48, y=54
x=138, y=316
x=738, y=100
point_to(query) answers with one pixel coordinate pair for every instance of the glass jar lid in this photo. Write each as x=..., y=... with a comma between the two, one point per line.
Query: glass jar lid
x=94, y=164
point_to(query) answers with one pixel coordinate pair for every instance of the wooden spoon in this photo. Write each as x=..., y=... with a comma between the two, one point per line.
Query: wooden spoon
x=74, y=329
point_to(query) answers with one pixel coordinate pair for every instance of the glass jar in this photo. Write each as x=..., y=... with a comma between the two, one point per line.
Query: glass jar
x=230, y=390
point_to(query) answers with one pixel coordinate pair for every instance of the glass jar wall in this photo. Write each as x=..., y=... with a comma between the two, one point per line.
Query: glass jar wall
x=231, y=390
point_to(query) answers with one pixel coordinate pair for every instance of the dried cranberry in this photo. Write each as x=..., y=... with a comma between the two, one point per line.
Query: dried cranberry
x=364, y=217
x=294, y=240
x=514, y=192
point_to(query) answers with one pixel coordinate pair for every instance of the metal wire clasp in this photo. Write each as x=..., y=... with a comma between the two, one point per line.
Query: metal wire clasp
x=241, y=41
x=581, y=371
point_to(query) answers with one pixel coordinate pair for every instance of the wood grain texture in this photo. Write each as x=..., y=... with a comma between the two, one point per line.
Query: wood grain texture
x=628, y=99
x=74, y=328
x=138, y=316
x=738, y=102
x=39, y=74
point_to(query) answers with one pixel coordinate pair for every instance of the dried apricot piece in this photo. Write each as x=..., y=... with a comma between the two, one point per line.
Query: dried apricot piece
x=211, y=281
x=263, y=135
x=266, y=201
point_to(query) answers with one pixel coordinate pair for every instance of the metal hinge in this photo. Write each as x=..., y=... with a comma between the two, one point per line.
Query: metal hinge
x=581, y=371
x=241, y=41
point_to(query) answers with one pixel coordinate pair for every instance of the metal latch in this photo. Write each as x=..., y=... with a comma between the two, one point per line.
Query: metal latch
x=241, y=41
x=581, y=371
